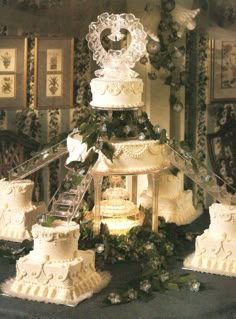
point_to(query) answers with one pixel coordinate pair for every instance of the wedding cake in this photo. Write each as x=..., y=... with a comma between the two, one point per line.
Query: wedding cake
x=174, y=203
x=17, y=212
x=115, y=192
x=56, y=271
x=120, y=215
x=215, y=249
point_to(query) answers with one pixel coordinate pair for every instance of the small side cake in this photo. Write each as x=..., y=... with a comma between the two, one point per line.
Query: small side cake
x=215, y=249
x=17, y=212
x=56, y=271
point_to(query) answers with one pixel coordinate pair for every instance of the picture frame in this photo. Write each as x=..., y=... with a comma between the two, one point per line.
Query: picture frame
x=223, y=71
x=54, y=61
x=13, y=73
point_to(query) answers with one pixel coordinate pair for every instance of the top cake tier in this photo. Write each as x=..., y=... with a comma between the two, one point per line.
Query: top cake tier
x=116, y=94
x=117, y=86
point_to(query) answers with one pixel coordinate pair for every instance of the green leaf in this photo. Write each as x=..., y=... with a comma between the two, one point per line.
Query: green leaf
x=163, y=137
x=91, y=140
x=49, y=221
x=108, y=150
x=76, y=180
x=91, y=158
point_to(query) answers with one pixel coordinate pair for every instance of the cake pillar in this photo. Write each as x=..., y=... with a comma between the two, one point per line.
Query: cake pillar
x=155, y=189
x=134, y=188
x=97, y=199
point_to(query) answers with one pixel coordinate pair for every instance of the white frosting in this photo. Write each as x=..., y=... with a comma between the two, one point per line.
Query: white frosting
x=16, y=195
x=133, y=157
x=121, y=226
x=115, y=192
x=118, y=208
x=120, y=215
x=130, y=157
x=170, y=186
x=215, y=249
x=56, y=271
x=17, y=225
x=59, y=242
x=110, y=93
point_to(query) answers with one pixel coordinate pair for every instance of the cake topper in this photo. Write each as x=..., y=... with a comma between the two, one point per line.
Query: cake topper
x=117, y=63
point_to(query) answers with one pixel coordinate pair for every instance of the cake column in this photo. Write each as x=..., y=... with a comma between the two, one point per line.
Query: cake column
x=155, y=189
x=97, y=199
x=134, y=188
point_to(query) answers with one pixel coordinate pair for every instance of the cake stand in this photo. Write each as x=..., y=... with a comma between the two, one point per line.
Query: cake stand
x=128, y=170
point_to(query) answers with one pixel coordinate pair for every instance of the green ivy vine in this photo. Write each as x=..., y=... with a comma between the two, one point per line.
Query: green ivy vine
x=165, y=53
x=153, y=252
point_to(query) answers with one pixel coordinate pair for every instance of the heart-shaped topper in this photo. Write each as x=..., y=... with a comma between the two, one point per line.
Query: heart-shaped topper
x=117, y=63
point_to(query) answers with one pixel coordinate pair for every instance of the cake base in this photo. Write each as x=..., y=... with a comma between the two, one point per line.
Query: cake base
x=178, y=210
x=211, y=266
x=16, y=225
x=215, y=249
x=67, y=283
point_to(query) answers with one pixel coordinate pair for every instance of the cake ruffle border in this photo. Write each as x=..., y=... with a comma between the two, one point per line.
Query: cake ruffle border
x=214, y=266
x=6, y=290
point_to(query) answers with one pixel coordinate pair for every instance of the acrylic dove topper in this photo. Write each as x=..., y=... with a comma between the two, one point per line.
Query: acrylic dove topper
x=117, y=63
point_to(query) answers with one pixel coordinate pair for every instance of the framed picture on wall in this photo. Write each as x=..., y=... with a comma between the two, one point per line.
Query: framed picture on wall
x=54, y=73
x=223, y=71
x=13, y=73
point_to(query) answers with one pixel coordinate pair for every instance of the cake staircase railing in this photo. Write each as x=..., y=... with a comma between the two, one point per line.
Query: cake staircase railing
x=38, y=161
x=65, y=203
x=213, y=184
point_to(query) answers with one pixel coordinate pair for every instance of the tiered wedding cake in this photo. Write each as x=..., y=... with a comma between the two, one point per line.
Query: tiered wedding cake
x=17, y=212
x=118, y=88
x=175, y=204
x=215, y=248
x=56, y=271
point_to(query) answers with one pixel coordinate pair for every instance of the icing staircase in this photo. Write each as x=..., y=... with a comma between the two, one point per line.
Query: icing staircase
x=66, y=203
x=214, y=185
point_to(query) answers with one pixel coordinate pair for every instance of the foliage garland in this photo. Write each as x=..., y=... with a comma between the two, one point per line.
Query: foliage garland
x=201, y=107
x=3, y=32
x=54, y=166
x=164, y=53
x=27, y=121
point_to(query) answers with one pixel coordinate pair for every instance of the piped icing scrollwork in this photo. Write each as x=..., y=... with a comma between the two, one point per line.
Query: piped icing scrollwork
x=58, y=231
x=115, y=87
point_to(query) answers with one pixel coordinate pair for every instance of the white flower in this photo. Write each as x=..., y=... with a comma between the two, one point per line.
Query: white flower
x=114, y=298
x=145, y=285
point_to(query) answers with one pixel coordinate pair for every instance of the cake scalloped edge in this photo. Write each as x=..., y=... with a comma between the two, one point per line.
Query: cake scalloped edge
x=214, y=266
x=6, y=289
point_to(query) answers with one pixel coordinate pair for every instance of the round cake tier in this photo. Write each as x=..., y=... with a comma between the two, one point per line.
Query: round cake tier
x=16, y=195
x=170, y=186
x=116, y=94
x=115, y=192
x=223, y=220
x=121, y=226
x=133, y=157
x=56, y=243
x=117, y=208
